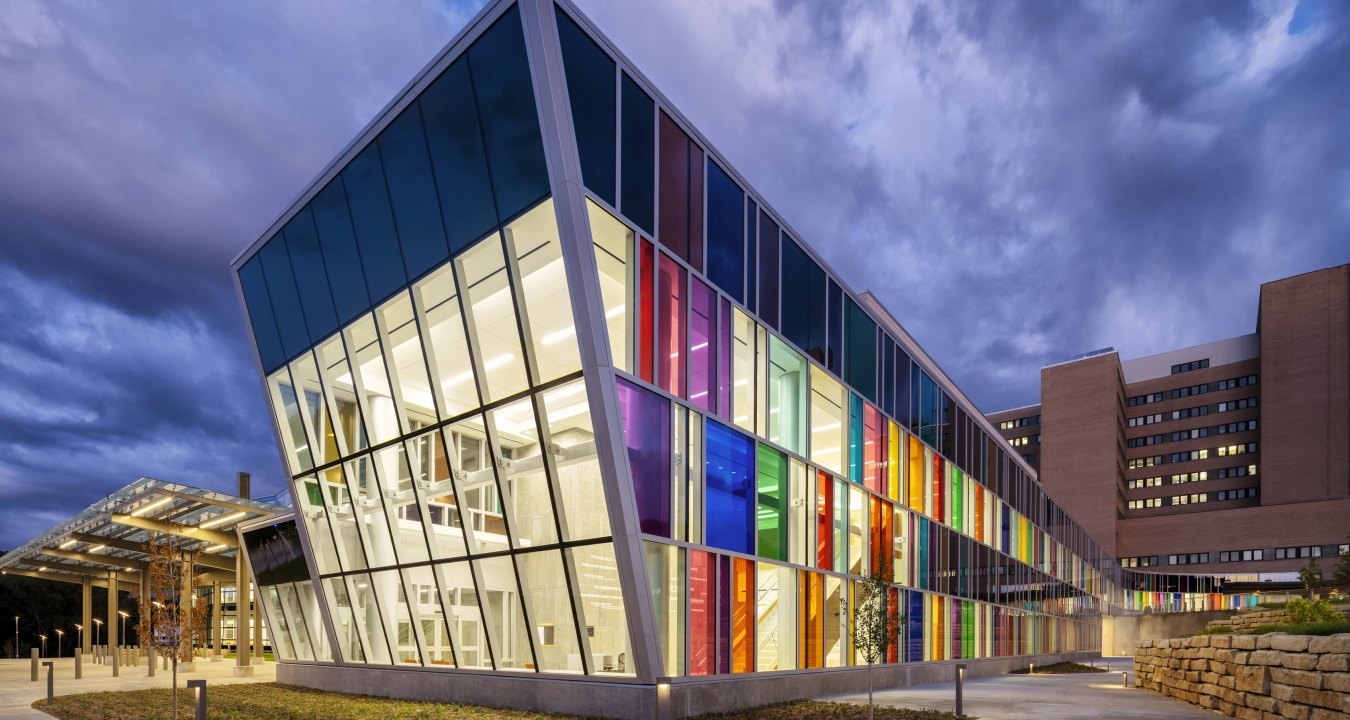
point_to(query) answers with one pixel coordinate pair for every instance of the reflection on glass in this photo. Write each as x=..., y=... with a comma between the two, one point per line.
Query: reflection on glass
x=368, y=508
x=340, y=393
x=492, y=320
x=549, y=602
x=282, y=643
x=410, y=544
x=372, y=383
x=602, y=608
x=309, y=498
x=370, y=623
x=581, y=492
x=434, y=490
x=463, y=617
x=614, y=258
x=287, y=406
x=349, y=631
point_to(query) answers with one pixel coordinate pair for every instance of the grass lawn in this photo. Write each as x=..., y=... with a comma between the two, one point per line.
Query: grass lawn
x=266, y=656
x=1062, y=668
x=270, y=701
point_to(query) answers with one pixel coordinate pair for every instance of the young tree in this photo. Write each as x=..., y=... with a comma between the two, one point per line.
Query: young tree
x=1340, y=575
x=1311, y=577
x=170, y=619
x=875, y=621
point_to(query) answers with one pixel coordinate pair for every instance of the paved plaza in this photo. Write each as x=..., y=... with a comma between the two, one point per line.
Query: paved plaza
x=17, y=691
x=1087, y=696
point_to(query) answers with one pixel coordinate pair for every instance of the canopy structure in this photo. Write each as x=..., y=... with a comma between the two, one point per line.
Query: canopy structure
x=107, y=544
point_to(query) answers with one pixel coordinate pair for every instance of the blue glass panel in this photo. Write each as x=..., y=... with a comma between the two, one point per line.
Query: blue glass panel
x=455, y=139
x=855, y=438
x=914, y=621
x=412, y=193
x=310, y=277
x=726, y=233
x=646, y=432
x=803, y=300
x=860, y=369
x=373, y=221
x=276, y=264
x=259, y=304
x=501, y=81
x=730, y=472
x=639, y=155
x=340, y=257
x=590, y=88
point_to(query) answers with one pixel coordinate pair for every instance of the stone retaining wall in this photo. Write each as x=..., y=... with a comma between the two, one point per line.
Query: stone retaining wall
x=1250, y=619
x=1253, y=677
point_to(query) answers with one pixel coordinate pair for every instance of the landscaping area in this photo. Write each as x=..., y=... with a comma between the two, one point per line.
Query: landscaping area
x=1062, y=668
x=270, y=701
x=1296, y=617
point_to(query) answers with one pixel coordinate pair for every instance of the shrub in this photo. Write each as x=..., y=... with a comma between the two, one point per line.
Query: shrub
x=1300, y=611
x=1214, y=630
x=1319, y=628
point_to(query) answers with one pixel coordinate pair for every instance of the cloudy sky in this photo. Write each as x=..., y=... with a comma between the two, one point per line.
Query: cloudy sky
x=1018, y=182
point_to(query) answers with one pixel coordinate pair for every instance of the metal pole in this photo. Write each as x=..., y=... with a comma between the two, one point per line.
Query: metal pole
x=960, y=678
x=112, y=623
x=199, y=690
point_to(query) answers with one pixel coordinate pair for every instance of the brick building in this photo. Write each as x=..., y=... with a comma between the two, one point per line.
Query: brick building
x=1230, y=457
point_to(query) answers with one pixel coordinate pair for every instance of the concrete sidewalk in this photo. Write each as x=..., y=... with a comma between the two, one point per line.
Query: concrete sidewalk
x=1094, y=696
x=17, y=691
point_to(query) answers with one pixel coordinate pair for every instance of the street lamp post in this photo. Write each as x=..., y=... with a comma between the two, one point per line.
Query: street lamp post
x=60, y=638
x=79, y=638
x=16, y=636
x=44, y=644
x=98, y=630
x=122, y=639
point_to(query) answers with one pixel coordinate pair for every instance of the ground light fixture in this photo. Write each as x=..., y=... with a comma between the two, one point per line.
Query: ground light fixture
x=960, y=682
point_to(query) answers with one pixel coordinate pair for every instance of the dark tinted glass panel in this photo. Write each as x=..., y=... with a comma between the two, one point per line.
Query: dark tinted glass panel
x=674, y=188
x=254, y=287
x=768, y=270
x=515, y=150
x=639, y=156
x=368, y=200
x=310, y=278
x=887, y=388
x=455, y=141
x=275, y=554
x=731, y=485
x=803, y=300
x=861, y=355
x=412, y=193
x=726, y=233
x=752, y=257
x=285, y=300
x=915, y=397
x=340, y=257
x=927, y=409
x=590, y=88
x=834, y=348
x=696, y=206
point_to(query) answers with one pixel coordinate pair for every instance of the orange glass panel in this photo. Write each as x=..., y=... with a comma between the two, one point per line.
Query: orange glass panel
x=810, y=646
x=743, y=616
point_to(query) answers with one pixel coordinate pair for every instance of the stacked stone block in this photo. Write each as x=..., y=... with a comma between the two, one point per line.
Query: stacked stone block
x=1252, y=677
x=1250, y=619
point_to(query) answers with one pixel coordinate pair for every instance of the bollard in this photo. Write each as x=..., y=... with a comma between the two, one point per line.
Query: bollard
x=150, y=662
x=79, y=664
x=35, y=664
x=960, y=678
x=51, y=672
x=199, y=704
x=165, y=665
x=1124, y=679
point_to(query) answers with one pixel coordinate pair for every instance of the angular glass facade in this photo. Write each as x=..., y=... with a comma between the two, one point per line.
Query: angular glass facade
x=634, y=431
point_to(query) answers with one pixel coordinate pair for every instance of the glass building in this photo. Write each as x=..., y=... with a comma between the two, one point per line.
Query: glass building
x=561, y=396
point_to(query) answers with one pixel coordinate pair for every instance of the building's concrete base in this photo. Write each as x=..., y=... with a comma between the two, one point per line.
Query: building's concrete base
x=216, y=658
x=685, y=697
x=245, y=670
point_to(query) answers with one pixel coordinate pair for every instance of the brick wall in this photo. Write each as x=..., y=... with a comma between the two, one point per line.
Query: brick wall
x=1252, y=677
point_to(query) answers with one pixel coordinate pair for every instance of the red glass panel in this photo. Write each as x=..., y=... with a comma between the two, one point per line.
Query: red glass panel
x=670, y=361
x=647, y=321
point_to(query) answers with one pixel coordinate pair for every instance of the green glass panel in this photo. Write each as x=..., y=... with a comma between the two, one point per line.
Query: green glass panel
x=772, y=507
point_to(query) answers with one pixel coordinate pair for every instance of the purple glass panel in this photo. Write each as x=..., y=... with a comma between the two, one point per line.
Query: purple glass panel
x=724, y=360
x=702, y=345
x=646, y=433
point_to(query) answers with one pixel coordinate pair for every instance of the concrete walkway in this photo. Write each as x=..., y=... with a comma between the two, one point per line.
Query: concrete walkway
x=17, y=691
x=1091, y=696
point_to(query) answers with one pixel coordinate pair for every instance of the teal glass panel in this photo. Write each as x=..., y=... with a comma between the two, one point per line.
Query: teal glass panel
x=311, y=280
x=638, y=158
x=455, y=142
x=412, y=193
x=333, y=222
x=373, y=221
x=591, y=90
x=771, y=517
x=254, y=287
x=515, y=149
x=276, y=262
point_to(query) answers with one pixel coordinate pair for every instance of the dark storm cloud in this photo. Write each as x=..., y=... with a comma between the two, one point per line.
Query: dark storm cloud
x=142, y=146
x=1018, y=182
